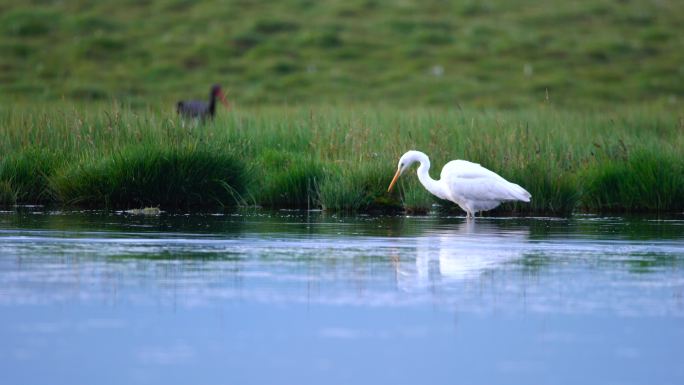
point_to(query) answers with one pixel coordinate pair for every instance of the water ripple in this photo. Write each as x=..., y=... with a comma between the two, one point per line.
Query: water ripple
x=474, y=266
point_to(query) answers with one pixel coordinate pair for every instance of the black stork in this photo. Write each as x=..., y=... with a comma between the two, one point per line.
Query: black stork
x=201, y=109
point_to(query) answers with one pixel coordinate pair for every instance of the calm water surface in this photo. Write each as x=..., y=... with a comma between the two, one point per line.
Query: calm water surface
x=306, y=298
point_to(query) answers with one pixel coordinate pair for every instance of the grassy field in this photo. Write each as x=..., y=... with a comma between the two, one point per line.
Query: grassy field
x=337, y=158
x=490, y=53
x=579, y=102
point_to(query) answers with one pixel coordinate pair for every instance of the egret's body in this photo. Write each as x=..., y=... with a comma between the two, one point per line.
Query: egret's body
x=472, y=187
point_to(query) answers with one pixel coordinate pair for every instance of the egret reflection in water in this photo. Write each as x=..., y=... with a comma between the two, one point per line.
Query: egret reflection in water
x=463, y=251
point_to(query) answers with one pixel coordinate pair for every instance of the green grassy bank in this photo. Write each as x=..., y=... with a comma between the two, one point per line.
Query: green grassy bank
x=477, y=53
x=337, y=158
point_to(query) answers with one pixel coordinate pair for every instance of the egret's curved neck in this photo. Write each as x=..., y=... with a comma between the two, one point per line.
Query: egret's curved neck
x=433, y=186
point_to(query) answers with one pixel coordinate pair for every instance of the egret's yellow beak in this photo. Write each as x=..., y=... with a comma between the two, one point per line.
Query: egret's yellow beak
x=394, y=180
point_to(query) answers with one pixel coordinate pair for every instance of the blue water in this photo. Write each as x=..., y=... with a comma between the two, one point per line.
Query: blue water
x=308, y=298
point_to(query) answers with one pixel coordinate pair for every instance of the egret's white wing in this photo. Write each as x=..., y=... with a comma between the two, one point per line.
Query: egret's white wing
x=465, y=169
x=484, y=189
x=470, y=182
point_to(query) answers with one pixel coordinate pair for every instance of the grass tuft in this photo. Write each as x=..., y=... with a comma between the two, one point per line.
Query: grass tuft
x=29, y=22
x=350, y=188
x=8, y=196
x=286, y=179
x=28, y=172
x=137, y=176
x=415, y=198
x=645, y=181
x=554, y=191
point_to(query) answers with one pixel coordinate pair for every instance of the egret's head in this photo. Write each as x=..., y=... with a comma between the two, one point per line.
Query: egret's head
x=405, y=162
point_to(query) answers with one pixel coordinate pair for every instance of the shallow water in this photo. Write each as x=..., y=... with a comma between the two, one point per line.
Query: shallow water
x=307, y=298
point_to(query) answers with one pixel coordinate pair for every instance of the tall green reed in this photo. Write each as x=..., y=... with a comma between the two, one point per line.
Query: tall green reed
x=338, y=157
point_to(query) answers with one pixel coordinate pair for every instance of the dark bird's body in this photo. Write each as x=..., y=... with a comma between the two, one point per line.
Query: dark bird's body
x=201, y=109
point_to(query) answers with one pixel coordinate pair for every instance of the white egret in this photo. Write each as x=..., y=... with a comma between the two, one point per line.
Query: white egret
x=472, y=187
